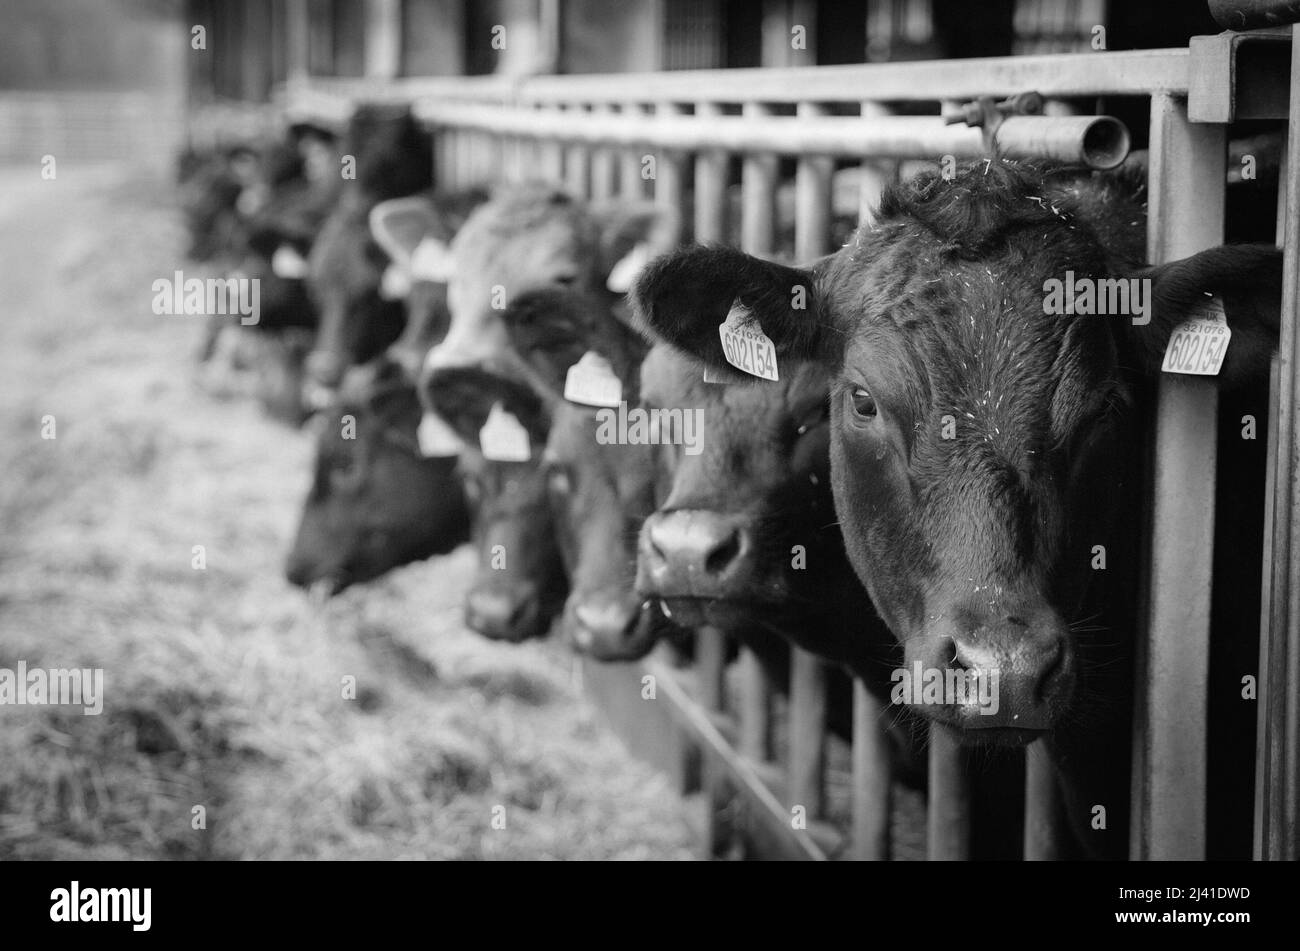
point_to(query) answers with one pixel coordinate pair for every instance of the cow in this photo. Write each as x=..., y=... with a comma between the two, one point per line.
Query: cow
x=521, y=585
x=600, y=490
x=416, y=233
x=390, y=157
x=525, y=238
x=376, y=501
x=981, y=446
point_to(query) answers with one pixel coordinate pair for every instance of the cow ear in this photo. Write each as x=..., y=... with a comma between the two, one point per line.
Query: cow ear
x=1247, y=278
x=463, y=397
x=400, y=224
x=631, y=233
x=682, y=298
x=549, y=329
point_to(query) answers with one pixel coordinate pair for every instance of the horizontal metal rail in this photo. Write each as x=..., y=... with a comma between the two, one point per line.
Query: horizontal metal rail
x=1130, y=73
x=1092, y=140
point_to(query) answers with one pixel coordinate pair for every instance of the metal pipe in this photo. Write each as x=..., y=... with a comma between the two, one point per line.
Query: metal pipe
x=807, y=732
x=1185, y=214
x=948, y=818
x=1280, y=740
x=872, y=777
x=1097, y=141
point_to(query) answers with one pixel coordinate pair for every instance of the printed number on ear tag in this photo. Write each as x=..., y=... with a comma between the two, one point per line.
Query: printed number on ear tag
x=286, y=262
x=431, y=261
x=1198, y=345
x=436, y=438
x=745, y=346
x=592, y=382
x=395, y=284
x=503, y=438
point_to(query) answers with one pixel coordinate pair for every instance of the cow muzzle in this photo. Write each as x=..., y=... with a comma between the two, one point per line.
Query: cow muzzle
x=693, y=553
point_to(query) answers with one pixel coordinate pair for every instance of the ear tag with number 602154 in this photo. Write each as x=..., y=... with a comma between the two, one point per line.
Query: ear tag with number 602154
x=745, y=346
x=1199, y=344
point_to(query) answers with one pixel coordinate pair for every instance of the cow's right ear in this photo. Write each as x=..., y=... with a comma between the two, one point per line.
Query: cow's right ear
x=683, y=297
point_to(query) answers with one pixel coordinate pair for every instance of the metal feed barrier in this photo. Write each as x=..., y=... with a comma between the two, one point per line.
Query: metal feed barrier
x=591, y=132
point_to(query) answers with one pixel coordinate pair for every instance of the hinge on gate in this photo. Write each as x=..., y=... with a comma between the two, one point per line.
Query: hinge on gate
x=987, y=113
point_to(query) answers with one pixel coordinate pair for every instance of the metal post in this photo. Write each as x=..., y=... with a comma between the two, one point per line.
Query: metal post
x=710, y=187
x=1185, y=183
x=1279, y=740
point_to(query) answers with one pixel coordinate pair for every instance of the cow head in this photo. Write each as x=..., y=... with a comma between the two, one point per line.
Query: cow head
x=979, y=445
x=416, y=232
x=528, y=238
x=356, y=320
x=600, y=490
x=375, y=501
x=520, y=584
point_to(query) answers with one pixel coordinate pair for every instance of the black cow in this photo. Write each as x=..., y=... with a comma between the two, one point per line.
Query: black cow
x=980, y=446
x=375, y=501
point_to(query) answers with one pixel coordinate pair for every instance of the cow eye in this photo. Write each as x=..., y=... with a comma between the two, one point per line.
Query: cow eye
x=863, y=403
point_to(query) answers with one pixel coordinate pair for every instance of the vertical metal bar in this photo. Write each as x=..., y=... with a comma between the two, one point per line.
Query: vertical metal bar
x=1042, y=841
x=577, y=166
x=948, y=825
x=874, y=177
x=1185, y=185
x=602, y=165
x=710, y=668
x=710, y=187
x=552, y=160
x=383, y=38
x=807, y=732
x=755, y=709
x=1263, y=770
x=758, y=195
x=1281, y=678
x=631, y=184
x=669, y=182
x=872, y=775
x=812, y=198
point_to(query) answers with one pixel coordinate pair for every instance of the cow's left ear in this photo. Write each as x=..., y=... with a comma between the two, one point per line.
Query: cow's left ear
x=682, y=298
x=1247, y=278
x=631, y=234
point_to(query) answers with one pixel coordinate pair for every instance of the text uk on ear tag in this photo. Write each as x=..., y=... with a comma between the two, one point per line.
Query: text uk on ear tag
x=436, y=438
x=431, y=261
x=286, y=262
x=1198, y=345
x=745, y=346
x=592, y=382
x=503, y=438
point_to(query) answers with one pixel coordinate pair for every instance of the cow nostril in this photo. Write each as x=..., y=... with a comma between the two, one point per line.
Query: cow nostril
x=1051, y=670
x=723, y=555
x=1017, y=621
x=950, y=656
